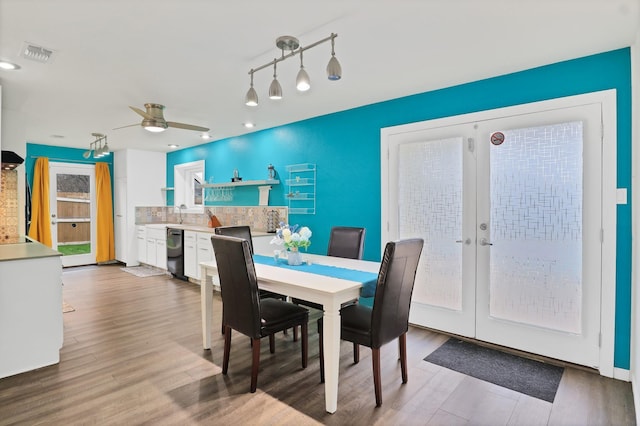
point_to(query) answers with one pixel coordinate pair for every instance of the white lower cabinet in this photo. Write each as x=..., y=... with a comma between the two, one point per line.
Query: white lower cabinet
x=197, y=248
x=141, y=237
x=191, y=268
x=155, y=247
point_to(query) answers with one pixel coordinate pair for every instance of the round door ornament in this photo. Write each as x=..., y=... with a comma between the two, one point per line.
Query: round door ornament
x=497, y=138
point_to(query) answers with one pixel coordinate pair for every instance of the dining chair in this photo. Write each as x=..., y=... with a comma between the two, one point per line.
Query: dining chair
x=245, y=311
x=244, y=232
x=344, y=241
x=388, y=319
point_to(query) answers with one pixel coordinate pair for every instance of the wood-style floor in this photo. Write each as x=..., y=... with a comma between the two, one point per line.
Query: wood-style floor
x=133, y=355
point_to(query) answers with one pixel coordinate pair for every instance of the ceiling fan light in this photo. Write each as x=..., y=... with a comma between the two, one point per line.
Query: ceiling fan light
x=303, y=83
x=275, y=90
x=154, y=126
x=334, y=70
x=252, y=97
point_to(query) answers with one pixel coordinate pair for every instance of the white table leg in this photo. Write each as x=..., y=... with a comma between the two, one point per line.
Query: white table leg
x=206, y=302
x=331, y=335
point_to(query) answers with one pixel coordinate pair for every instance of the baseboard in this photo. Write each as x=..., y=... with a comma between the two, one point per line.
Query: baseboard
x=622, y=374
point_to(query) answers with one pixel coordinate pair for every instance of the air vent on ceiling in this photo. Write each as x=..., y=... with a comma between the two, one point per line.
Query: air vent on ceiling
x=36, y=53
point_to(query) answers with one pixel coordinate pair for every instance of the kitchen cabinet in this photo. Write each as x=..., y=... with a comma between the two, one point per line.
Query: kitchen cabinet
x=156, y=243
x=197, y=248
x=191, y=255
x=141, y=243
x=138, y=177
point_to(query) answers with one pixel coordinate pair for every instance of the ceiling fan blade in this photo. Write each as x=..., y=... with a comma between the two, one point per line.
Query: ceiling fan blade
x=142, y=113
x=187, y=126
x=128, y=125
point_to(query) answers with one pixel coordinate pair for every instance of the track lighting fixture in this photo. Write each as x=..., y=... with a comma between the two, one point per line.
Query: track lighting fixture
x=303, y=82
x=96, y=147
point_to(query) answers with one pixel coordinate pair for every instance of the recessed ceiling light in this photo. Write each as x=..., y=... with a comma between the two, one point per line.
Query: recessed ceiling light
x=57, y=136
x=248, y=125
x=205, y=136
x=9, y=66
x=173, y=146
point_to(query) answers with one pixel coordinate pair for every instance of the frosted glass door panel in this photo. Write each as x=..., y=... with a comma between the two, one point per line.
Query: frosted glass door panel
x=430, y=185
x=536, y=227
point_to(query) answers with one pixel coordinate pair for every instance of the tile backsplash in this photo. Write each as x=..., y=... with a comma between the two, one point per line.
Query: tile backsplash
x=9, y=207
x=254, y=216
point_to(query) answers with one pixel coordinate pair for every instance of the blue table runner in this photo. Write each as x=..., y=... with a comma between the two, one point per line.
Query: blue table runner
x=368, y=279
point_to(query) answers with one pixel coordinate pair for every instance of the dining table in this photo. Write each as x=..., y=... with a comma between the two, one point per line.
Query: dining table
x=329, y=281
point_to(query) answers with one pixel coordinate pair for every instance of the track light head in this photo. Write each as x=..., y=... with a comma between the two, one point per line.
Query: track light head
x=303, y=83
x=334, y=70
x=275, y=90
x=251, y=99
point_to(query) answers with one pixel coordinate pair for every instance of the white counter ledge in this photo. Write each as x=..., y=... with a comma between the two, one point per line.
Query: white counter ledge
x=31, y=330
x=31, y=250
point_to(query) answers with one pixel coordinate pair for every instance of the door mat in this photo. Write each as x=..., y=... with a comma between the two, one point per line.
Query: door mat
x=144, y=271
x=533, y=378
x=67, y=307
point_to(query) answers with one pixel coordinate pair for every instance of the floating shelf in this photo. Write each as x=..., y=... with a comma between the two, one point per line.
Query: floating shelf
x=242, y=183
x=166, y=189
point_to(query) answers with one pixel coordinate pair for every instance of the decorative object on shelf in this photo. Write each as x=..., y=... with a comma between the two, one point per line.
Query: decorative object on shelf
x=303, y=83
x=236, y=176
x=97, y=147
x=293, y=239
x=272, y=171
x=213, y=220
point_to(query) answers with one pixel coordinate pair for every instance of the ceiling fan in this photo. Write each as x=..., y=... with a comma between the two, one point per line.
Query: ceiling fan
x=153, y=120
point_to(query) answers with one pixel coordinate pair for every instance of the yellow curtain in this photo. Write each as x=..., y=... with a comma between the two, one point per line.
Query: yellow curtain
x=40, y=229
x=106, y=247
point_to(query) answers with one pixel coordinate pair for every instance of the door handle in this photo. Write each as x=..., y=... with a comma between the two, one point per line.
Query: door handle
x=484, y=242
x=467, y=241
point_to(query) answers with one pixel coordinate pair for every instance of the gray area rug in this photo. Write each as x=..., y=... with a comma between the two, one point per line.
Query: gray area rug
x=533, y=378
x=144, y=271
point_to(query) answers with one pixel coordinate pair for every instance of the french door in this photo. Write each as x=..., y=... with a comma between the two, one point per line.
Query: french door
x=510, y=209
x=72, y=204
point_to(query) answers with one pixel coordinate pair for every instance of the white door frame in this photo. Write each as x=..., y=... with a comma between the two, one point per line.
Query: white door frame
x=607, y=99
x=54, y=168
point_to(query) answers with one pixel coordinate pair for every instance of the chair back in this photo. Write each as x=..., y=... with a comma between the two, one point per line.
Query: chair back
x=346, y=242
x=240, y=231
x=390, y=315
x=238, y=284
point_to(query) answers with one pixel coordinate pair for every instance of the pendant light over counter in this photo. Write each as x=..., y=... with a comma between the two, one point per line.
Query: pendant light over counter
x=303, y=82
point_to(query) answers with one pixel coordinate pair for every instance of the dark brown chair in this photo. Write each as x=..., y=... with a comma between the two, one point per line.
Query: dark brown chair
x=389, y=317
x=245, y=311
x=344, y=241
x=244, y=232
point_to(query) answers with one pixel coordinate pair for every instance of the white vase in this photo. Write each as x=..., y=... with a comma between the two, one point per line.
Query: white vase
x=294, y=258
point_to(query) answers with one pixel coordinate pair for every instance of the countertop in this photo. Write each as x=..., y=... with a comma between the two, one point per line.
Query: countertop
x=21, y=251
x=197, y=228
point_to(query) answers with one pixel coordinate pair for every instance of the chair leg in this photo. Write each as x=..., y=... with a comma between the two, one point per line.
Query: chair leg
x=305, y=343
x=255, y=364
x=403, y=356
x=272, y=343
x=227, y=349
x=356, y=353
x=321, y=350
x=375, y=357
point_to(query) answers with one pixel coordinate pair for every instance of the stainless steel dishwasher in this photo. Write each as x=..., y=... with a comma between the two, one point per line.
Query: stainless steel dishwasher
x=175, y=253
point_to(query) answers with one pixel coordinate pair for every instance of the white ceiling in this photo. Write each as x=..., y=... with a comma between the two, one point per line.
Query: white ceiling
x=193, y=56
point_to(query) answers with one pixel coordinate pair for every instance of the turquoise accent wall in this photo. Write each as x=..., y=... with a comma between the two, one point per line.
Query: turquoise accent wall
x=346, y=148
x=57, y=154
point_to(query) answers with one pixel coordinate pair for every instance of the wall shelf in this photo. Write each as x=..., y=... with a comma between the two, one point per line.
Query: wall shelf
x=241, y=183
x=224, y=191
x=166, y=189
x=302, y=188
